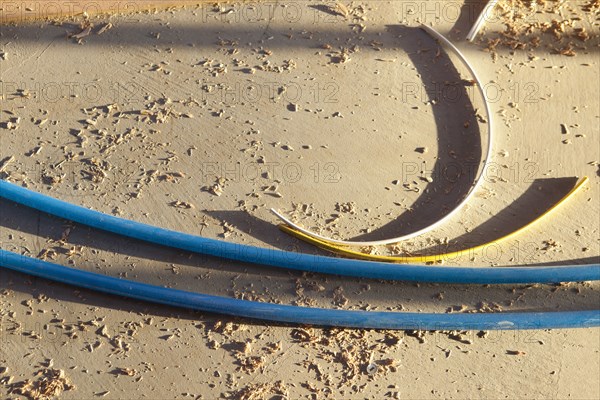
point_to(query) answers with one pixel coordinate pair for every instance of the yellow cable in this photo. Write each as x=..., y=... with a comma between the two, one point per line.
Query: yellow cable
x=424, y=258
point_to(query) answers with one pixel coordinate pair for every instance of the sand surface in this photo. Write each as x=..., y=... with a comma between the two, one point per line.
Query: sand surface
x=349, y=118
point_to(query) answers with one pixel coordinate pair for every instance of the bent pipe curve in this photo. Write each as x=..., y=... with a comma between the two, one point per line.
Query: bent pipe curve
x=476, y=185
x=292, y=260
x=295, y=314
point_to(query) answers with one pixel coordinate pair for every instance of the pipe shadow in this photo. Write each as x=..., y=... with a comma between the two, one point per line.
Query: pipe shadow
x=261, y=230
x=458, y=138
x=48, y=231
x=535, y=201
x=469, y=11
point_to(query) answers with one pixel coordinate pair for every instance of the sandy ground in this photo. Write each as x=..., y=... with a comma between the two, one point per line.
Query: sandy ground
x=318, y=111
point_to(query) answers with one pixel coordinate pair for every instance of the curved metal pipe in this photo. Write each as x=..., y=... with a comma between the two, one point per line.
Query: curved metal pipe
x=478, y=181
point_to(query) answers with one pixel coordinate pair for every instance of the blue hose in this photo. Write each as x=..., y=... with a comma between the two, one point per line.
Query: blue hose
x=291, y=260
x=294, y=314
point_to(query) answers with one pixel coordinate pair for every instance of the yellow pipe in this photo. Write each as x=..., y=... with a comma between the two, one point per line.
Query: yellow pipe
x=335, y=248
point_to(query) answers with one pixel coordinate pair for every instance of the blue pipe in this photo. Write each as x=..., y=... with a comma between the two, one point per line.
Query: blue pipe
x=294, y=314
x=292, y=260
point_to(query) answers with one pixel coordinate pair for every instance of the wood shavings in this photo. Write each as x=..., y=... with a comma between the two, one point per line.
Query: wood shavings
x=52, y=180
x=273, y=347
x=339, y=9
x=170, y=176
x=213, y=68
x=47, y=254
x=250, y=364
x=567, y=50
x=12, y=124
x=338, y=297
x=4, y=163
x=592, y=6
x=24, y=93
x=228, y=229
x=104, y=28
x=325, y=347
x=103, y=331
x=347, y=208
x=181, y=204
x=216, y=188
x=354, y=350
x=272, y=190
x=226, y=328
x=125, y=371
x=97, y=169
x=82, y=34
x=51, y=383
x=550, y=244
x=525, y=30
x=74, y=251
x=259, y=391
x=342, y=56
x=305, y=335
x=286, y=66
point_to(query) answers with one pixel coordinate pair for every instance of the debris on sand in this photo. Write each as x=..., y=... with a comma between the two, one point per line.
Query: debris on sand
x=216, y=188
x=257, y=391
x=524, y=31
x=4, y=163
x=343, y=56
x=104, y=28
x=181, y=204
x=125, y=371
x=50, y=384
x=83, y=33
